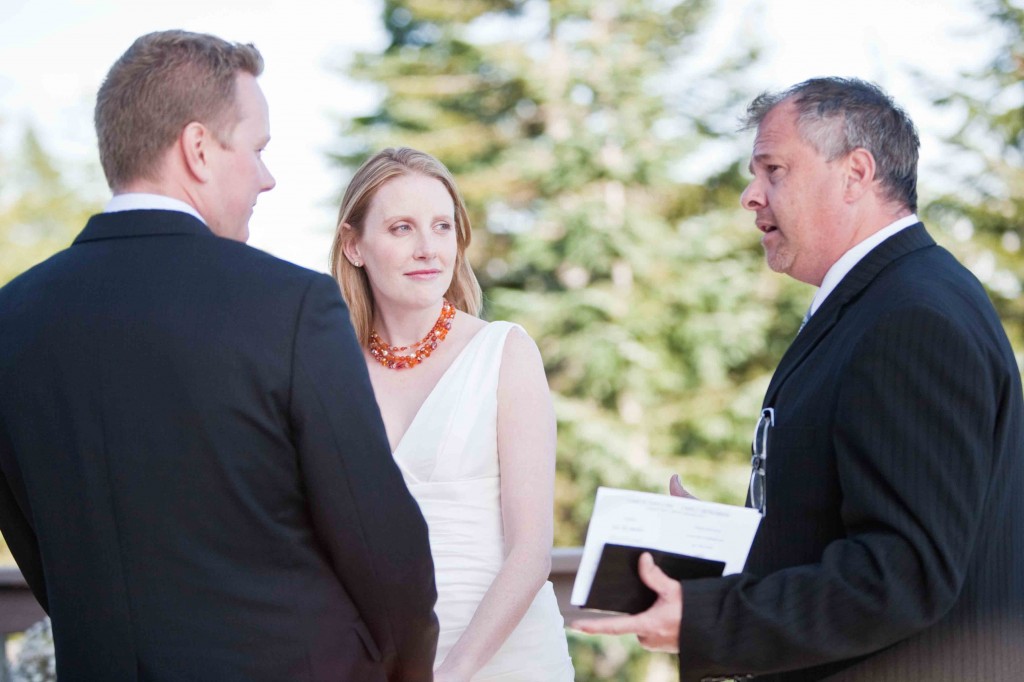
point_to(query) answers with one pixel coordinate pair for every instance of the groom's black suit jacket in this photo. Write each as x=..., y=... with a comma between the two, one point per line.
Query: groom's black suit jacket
x=893, y=543
x=194, y=476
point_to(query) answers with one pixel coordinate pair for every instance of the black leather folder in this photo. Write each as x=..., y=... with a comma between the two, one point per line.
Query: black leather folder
x=617, y=585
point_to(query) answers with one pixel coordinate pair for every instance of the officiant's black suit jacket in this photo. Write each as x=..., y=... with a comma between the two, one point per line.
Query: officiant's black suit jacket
x=893, y=541
x=194, y=476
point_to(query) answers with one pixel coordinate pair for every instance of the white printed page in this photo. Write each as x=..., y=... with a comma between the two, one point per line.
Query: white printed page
x=707, y=530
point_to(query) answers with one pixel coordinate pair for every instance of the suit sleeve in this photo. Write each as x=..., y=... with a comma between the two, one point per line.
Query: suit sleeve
x=367, y=520
x=913, y=450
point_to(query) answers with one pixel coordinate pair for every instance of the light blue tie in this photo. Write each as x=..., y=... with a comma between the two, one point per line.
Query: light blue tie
x=803, y=323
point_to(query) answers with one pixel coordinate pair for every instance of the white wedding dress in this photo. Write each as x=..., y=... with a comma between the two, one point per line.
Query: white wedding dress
x=449, y=458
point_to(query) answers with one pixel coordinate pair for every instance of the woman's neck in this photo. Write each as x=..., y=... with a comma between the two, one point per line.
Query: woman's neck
x=404, y=326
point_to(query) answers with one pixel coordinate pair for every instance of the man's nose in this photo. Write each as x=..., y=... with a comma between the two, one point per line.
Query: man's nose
x=268, y=181
x=752, y=198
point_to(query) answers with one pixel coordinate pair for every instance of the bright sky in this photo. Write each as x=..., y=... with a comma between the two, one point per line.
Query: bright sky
x=54, y=54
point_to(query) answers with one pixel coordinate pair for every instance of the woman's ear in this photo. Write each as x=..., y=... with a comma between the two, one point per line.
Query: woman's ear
x=194, y=142
x=350, y=245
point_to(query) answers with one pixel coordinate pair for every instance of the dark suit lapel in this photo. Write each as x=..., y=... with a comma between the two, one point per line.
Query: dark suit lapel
x=849, y=289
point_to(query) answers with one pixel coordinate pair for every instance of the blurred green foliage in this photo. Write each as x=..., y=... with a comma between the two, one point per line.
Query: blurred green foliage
x=579, y=132
x=568, y=131
x=984, y=214
x=572, y=127
x=41, y=211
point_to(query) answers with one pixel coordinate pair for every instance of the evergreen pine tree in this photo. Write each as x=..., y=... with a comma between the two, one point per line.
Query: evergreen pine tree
x=986, y=211
x=40, y=209
x=567, y=125
x=570, y=126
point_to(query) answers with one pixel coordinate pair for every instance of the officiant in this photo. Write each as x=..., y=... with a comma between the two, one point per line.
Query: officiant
x=888, y=458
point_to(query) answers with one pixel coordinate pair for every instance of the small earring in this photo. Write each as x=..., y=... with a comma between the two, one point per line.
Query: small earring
x=357, y=263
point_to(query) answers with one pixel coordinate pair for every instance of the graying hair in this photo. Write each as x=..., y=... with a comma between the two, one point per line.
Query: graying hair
x=838, y=115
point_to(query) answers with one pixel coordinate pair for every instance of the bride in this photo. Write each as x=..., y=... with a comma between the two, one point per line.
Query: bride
x=468, y=413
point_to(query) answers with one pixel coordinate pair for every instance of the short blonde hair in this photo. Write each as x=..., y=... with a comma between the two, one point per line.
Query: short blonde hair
x=163, y=82
x=464, y=292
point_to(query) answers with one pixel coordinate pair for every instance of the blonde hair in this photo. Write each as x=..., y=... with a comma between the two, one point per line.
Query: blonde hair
x=464, y=291
x=163, y=82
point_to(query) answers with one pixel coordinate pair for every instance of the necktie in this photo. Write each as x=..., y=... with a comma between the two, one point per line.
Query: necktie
x=803, y=323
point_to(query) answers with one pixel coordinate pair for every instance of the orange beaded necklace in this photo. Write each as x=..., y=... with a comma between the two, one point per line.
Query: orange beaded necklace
x=390, y=357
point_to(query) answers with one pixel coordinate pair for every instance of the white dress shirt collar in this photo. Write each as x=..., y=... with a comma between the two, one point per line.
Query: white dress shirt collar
x=849, y=259
x=134, y=201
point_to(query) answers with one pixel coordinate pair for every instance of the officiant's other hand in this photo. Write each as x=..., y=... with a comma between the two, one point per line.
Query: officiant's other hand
x=676, y=489
x=657, y=628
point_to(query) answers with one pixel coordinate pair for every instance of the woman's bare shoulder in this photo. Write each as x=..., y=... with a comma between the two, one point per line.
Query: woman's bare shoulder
x=520, y=353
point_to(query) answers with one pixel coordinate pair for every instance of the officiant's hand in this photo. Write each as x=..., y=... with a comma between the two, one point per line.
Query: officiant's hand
x=657, y=628
x=676, y=489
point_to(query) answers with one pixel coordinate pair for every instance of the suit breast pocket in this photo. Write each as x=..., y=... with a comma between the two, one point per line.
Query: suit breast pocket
x=802, y=512
x=800, y=471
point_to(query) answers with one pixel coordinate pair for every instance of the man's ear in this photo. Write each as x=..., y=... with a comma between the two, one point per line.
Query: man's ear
x=195, y=141
x=860, y=173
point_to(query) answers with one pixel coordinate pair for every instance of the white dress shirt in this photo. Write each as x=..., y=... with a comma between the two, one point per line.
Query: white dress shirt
x=134, y=201
x=849, y=259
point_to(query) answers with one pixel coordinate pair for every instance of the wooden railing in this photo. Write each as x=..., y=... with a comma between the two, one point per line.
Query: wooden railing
x=19, y=610
x=564, y=562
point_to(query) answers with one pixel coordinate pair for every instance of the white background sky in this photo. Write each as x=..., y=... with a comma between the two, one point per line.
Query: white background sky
x=54, y=54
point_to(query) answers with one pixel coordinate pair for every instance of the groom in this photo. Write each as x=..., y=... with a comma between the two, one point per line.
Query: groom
x=194, y=477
